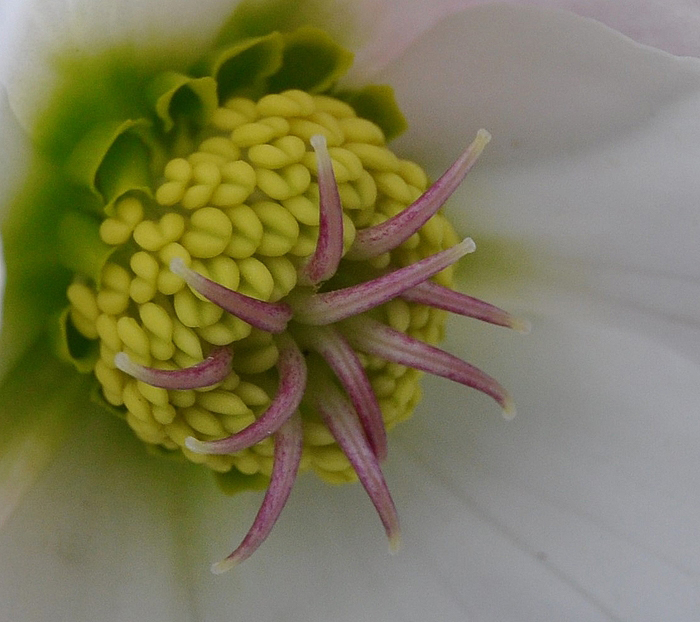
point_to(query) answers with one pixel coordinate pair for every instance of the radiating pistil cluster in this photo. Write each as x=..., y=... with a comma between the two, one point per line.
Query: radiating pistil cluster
x=270, y=307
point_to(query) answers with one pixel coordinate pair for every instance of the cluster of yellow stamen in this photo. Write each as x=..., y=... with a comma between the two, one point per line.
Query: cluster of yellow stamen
x=243, y=210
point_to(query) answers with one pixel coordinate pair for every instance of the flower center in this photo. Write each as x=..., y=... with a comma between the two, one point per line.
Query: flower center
x=242, y=210
x=271, y=306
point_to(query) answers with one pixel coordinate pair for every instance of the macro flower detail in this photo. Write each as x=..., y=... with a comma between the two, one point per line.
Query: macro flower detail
x=256, y=280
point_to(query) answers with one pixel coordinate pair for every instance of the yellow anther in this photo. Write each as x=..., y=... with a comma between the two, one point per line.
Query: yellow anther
x=433, y=231
x=167, y=282
x=284, y=274
x=250, y=134
x=197, y=196
x=330, y=458
x=333, y=106
x=318, y=123
x=112, y=381
x=280, y=229
x=218, y=145
x=155, y=395
x=224, y=332
x=303, y=209
x=178, y=169
x=135, y=402
x=106, y=326
x=358, y=130
x=281, y=152
x=394, y=187
x=316, y=433
x=209, y=233
x=152, y=236
x=288, y=182
x=170, y=193
x=179, y=430
x=84, y=310
x=239, y=172
x=206, y=173
x=256, y=280
x=113, y=297
x=374, y=157
x=187, y=341
x=383, y=385
x=204, y=157
x=128, y=214
x=244, y=106
x=251, y=394
x=164, y=414
x=236, y=423
x=226, y=119
x=193, y=312
x=157, y=320
x=203, y=421
x=291, y=103
x=398, y=313
x=133, y=337
x=223, y=402
x=183, y=399
x=413, y=175
x=257, y=360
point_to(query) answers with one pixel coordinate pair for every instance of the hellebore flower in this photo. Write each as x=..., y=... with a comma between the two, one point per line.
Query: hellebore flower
x=564, y=512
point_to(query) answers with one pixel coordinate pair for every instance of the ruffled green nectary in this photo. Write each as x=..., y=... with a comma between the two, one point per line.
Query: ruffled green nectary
x=242, y=209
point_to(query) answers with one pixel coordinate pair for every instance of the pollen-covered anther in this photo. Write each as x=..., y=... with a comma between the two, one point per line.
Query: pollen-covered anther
x=268, y=316
x=329, y=307
x=386, y=236
x=208, y=373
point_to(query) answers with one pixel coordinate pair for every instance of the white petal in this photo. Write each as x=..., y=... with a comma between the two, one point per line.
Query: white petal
x=590, y=185
x=31, y=31
x=670, y=25
x=595, y=480
x=98, y=538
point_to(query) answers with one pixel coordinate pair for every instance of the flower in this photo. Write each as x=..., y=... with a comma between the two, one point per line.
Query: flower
x=523, y=561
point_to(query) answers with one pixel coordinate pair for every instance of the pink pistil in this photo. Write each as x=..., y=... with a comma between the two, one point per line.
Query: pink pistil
x=346, y=365
x=288, y=447
x=292, y=384
x=323, y=264
x=342, y=421
x=378, y=339
x=434, y=295
x=330, y=307
x=271, y=317
x=374, y=241
x=209, y=372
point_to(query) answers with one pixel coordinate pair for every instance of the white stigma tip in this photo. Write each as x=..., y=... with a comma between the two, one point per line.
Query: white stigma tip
x=467, y=245
x=123, y=362
x=483, y=136
x=395, y=543
x=177, y=266
x=509, y=411
x=521, y=326
x=223, y=566
x=318, y=141
x=195, y=445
